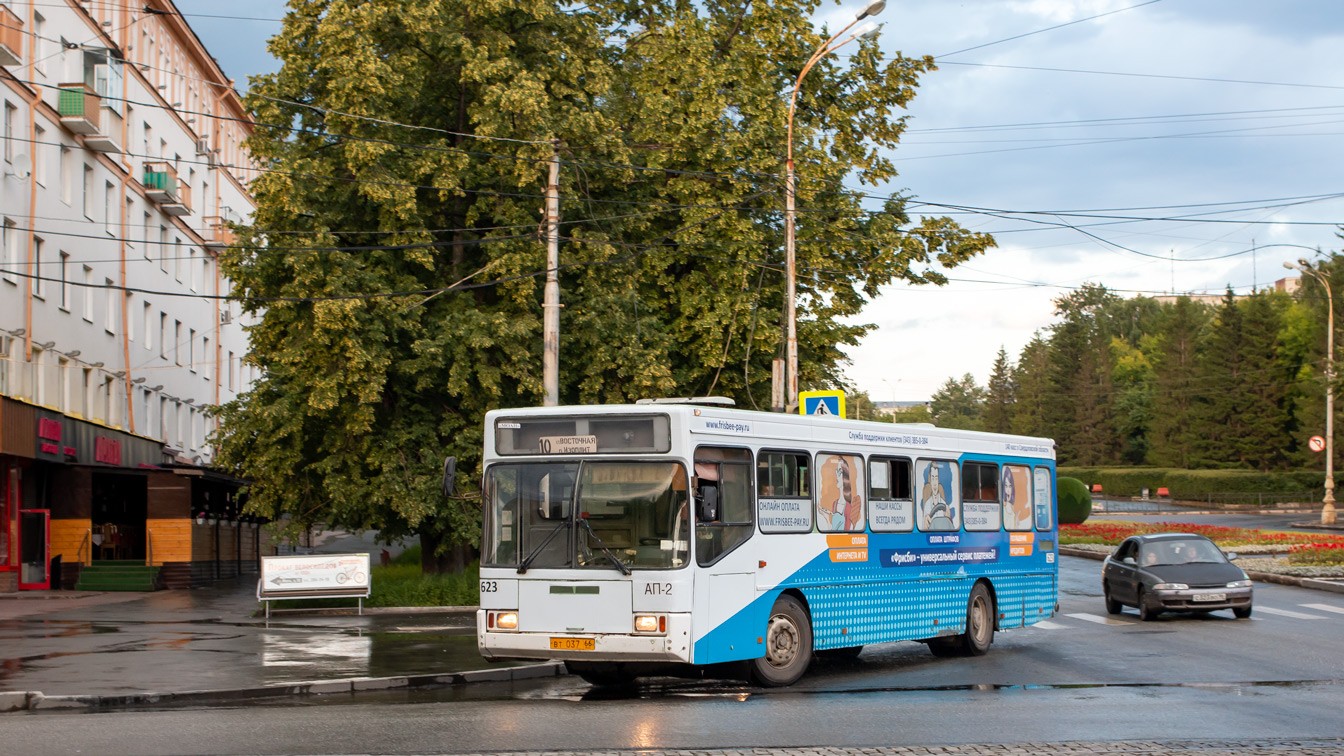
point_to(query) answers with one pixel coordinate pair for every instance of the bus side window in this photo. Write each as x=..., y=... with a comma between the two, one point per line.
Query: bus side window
x=723, y=501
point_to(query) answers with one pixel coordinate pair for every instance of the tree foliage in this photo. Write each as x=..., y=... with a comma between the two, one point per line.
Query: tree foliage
x=394, y=263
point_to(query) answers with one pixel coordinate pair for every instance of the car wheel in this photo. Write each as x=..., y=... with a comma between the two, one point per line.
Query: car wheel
x=1242, y=612
x=1146, y=613
x=601, y=674
x=1112, y=606
x=788, y=645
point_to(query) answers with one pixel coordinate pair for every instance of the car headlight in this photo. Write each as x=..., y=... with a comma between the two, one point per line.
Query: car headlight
x=1170, y=587
x=1239, y=584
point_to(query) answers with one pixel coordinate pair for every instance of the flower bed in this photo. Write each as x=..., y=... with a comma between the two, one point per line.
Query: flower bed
x=1318, y=554
x=1245, y=540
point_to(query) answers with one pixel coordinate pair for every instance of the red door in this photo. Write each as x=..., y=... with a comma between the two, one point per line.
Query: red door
x=34, y=549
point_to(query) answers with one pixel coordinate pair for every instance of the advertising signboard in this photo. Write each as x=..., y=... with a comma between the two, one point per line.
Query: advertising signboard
x=314, y=576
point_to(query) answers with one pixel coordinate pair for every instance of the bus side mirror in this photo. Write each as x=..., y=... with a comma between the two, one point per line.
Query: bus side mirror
x=449, y=475
x=707, y=509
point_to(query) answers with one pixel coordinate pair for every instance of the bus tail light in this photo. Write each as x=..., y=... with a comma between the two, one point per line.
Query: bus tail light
x=650, y=623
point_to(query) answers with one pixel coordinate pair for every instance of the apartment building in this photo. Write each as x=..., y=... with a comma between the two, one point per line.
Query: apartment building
x=123, y=165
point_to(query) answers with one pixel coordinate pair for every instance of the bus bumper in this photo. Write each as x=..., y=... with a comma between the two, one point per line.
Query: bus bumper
x=674, y=646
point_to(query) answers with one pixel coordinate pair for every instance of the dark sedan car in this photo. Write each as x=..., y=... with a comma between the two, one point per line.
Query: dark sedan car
x=1174, y=572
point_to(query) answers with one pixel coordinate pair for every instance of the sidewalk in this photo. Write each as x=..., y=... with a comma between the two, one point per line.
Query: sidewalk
x=206, y=639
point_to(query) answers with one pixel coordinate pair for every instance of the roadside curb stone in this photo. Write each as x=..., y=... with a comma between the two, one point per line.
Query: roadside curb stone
x=13, y=701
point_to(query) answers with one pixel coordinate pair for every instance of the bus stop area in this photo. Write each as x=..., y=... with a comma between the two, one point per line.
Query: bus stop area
x=78, y=648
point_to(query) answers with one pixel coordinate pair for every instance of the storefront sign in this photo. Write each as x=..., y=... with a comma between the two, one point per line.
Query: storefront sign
x=106, y=450
x=67, y=439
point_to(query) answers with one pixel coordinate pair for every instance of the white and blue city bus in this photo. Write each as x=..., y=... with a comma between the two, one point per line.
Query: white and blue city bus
x=623, y=539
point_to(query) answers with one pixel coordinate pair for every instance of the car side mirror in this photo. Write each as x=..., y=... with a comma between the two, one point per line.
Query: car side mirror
x=449, y=475
x=707, y=504
x=1231, y=555
x=1129, y=560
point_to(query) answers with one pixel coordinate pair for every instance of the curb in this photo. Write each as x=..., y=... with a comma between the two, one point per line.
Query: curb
x=20, y=700
x=1260, y=577
x=341, y=611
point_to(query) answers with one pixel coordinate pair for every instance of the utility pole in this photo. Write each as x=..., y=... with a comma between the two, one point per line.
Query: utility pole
x=550, y=354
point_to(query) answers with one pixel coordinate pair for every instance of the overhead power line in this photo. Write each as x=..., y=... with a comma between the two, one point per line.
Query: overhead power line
x=1042, y=31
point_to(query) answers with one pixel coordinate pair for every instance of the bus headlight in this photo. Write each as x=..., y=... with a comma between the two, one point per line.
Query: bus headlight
x=650, y=623
x=507, y=620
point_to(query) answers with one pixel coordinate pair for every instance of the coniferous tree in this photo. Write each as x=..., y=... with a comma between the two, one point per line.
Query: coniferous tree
x=959, y=404
x=1000, y=395
x=1173, y=433
x=1081, y=415
x=1032, y=379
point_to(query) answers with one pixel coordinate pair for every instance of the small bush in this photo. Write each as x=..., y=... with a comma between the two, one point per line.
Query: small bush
x=1075, y=503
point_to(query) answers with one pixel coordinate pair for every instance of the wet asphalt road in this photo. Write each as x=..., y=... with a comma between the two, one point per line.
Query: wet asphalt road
x=1280, y=675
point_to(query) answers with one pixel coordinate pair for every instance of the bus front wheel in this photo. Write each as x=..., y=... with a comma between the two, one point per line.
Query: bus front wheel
x=788, y=645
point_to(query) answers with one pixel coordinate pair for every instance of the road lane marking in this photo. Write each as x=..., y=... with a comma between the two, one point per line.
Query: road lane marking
x=1048, y=625
x=1325, y=608
x=1098, y=619
x=1286, y=613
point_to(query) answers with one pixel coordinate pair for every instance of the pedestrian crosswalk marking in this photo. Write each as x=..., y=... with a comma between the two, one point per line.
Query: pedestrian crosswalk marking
x=1099, y=619
x=1325, y=608
x=1048, y=625
x=1287, y=613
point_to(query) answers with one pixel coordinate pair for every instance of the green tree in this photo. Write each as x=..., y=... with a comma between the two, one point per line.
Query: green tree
x=1081, y=414
x=1174, y=432
x=1132, y=381
x=1000, y=395
x=1032, y=378
x=395, y=270
x=959, y=404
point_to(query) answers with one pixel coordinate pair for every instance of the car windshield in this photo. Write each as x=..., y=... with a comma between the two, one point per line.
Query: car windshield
x=587, y=515
x=1179, y=552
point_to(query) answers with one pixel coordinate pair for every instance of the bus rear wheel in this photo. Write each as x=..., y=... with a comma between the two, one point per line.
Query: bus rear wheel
x=788, y=645
x=979, y=632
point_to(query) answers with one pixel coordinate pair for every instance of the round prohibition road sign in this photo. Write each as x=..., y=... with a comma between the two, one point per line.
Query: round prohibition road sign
x=1316, y=443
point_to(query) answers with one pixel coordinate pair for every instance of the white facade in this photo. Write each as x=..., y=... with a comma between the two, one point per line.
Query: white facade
x=133, y=136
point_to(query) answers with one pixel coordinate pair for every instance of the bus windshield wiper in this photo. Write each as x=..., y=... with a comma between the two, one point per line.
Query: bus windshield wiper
x=537, y=551
x=614, y=559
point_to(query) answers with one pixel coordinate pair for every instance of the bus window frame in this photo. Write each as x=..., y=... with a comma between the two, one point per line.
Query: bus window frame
x=997, y=501
x=1051, y=505
x=750, y=464
x=811, y=491
x=914, y=513
x=861, y=490
x=1031, y=497
x=955, y=487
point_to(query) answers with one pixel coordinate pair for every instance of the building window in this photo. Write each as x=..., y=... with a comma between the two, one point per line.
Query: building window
x=9, y=237
x=149, y=236
x=129, y=218
x=11, y=116
x=163, y=336
x=39, y=277
x=163, y=419
x=40, y=156
x=191, y=349
x=177, y=259
x=177, y=342
x=230, y=369
x=147, y=322
x=65, y=281
x=191, y=269
x=163, y=248
x=40, y=53
x=88, y=191
x=111, y=325
x=67, y=173
x=109, y=208
x=88, y=293
x=205, y=356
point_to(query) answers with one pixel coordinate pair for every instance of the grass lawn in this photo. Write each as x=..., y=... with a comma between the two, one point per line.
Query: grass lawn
x=402, y=584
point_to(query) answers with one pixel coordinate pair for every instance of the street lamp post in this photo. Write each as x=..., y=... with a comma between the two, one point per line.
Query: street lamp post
x=868, y=31
x=1327, y=501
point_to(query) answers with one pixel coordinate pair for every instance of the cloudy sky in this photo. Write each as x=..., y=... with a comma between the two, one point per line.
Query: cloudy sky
x=1185, y=129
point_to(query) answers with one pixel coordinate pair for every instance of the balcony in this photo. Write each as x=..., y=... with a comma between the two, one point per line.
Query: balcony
x=11, y=38
x=108, y=138
x=79, y=107
x=182, y=205
x=217, y=233
x=160, y=181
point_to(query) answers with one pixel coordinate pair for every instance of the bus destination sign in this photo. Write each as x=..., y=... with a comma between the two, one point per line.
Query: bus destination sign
x=567, y=444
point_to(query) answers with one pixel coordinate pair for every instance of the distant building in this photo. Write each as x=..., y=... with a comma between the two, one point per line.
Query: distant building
x=123, y=165
x=1284, y=285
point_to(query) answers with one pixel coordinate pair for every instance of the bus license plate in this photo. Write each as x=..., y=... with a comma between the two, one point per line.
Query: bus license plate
x=572, y=644
x=1210, y=597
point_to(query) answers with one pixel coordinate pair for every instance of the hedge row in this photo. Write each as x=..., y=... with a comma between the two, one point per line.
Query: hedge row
x=1195, y=484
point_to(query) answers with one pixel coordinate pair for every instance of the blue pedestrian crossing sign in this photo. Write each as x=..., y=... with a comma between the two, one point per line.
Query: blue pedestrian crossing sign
x=821, y=403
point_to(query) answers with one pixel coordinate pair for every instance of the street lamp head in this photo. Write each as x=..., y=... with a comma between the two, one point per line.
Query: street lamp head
x=870, y=33
x=873, y=8
x=1303, y=262
x=1289, y=265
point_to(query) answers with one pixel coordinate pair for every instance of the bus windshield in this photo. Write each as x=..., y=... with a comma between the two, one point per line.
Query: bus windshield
x=586, y=515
